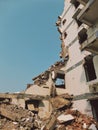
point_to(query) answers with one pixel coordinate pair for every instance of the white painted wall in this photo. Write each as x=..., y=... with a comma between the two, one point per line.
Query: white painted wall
x=75, y=79
x=83, y=106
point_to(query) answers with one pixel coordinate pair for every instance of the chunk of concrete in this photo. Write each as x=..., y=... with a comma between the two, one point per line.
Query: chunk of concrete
x=65, y=118
x=92, y=127
x=59, y=102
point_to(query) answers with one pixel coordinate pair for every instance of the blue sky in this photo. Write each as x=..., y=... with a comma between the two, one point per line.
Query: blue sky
x=29, y=40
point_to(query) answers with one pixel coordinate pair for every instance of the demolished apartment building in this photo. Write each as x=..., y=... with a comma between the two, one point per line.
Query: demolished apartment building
x=37, y=96
x=45, y=85
x=78, y=28
x=76, y=74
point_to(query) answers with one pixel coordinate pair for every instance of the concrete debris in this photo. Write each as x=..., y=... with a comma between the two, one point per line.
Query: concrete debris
x=63, y=117
x=58, y=65
x=59, y=102
x=43, y=78
x=15, y=117
x=80, y=121
x=66, y=96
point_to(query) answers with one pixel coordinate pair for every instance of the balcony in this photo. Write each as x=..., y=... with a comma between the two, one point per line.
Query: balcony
x=88, y=14
x=91, y=44
x=84, y=2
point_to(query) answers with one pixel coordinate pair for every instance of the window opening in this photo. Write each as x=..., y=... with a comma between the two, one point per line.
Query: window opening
x=94, y=104
x=78, y=22
x=60, y=80
x=59, y=83
x=32, y=105
x=75, y=3
x=82, y=35
x=89, y=68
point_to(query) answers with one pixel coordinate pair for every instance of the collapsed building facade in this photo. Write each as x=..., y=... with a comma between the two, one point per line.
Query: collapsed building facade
x=76, y=74
x=78, y=27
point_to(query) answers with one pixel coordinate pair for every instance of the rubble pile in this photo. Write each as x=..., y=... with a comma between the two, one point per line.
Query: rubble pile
x=63, y=117
x=41, y=79
x=75, y=120
x=13, y=117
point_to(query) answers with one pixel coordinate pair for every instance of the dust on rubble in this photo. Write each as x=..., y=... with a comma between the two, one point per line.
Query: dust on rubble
x=63, y=117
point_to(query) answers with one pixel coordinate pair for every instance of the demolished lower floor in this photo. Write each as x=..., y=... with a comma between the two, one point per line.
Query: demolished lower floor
x=62, y=116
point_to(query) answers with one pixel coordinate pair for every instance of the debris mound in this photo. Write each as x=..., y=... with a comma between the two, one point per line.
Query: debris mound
x=13, y=117
x=63, y=117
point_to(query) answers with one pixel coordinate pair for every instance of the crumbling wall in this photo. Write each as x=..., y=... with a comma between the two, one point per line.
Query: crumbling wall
x=37, y=90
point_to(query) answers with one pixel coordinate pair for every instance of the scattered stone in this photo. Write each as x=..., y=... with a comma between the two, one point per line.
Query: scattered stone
x=63, y=117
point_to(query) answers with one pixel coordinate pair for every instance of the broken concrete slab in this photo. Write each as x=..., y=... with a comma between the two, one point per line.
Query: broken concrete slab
x=59, y=102
x=16, y=115
x=65, y=118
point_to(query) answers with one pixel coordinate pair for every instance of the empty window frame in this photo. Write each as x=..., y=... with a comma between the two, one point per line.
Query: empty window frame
x=82, y=35
x=75, y=3
x=59, y=83
x=32, y=105
x=78, y=22
x=60, y=80
x=89, y=68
